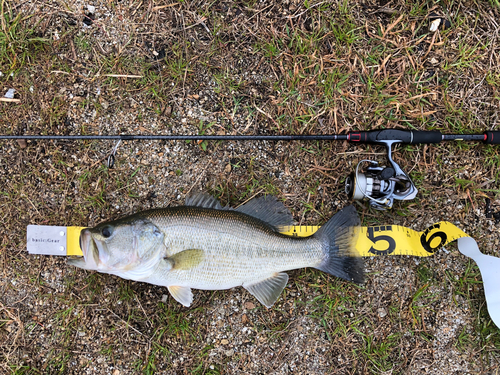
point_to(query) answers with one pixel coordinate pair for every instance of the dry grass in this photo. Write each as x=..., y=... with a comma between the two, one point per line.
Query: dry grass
x=246, y=67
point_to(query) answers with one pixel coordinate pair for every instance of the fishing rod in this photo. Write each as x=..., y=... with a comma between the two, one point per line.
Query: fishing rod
x=380, y=185
x=373, y=136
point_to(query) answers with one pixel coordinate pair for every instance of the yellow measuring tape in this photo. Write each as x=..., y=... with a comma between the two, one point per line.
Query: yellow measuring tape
x=395, y=239
x=73, y=241
x=371, y=241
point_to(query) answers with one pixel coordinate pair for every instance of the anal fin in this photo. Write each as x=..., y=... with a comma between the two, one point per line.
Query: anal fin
x=181, y=294
x=268, y=290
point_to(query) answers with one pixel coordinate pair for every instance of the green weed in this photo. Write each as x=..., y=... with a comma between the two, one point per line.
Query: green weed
x=19, y=43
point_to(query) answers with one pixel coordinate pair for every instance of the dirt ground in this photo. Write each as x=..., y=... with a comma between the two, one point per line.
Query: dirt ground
x=242, y=68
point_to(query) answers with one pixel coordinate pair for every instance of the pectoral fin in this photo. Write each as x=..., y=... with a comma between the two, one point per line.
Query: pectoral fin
x=181, y=294
x=187, y=259
x=267, y=291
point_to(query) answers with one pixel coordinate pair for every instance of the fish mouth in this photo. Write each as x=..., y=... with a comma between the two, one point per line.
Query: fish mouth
x=91, y=250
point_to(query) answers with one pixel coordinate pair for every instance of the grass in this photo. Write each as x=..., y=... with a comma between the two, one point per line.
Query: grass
x=338, y=316
x=245, y=68
x=465, y=285
x=19, y=44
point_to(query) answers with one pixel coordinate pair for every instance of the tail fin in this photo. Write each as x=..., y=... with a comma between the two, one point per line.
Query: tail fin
x=338, y=240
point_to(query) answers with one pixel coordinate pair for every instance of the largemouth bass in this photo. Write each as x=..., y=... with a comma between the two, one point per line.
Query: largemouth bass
x=203, y=245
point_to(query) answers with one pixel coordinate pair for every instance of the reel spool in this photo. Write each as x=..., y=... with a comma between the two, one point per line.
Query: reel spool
x=379, y=185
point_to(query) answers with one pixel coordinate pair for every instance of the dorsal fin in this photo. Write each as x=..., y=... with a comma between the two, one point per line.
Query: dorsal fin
x=203, y=200
x=269, y=210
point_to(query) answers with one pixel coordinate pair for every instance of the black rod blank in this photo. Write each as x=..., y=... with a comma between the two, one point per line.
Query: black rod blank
x=373, y=136
x=127, y=137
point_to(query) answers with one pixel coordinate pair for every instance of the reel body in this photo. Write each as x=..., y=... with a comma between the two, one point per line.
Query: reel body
x=380, y=185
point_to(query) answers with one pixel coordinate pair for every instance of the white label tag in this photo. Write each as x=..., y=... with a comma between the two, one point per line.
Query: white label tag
x=46, y=240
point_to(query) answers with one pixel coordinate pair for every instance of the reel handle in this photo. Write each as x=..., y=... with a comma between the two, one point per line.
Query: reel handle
x=400, y=136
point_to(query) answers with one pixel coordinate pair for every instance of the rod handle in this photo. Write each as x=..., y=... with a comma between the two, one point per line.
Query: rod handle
x=426, y=136
x=492, y=138
x=403, y=136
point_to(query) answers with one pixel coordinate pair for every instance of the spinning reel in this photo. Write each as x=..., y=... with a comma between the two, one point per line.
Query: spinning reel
x=380, y=185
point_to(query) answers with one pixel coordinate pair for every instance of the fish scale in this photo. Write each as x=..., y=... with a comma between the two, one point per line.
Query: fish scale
x=237, y=247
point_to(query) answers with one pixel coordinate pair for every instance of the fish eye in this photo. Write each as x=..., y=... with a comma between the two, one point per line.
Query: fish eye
x=106, y=232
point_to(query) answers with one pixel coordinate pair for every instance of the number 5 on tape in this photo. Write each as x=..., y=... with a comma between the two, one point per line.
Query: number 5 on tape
x=398, y=240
